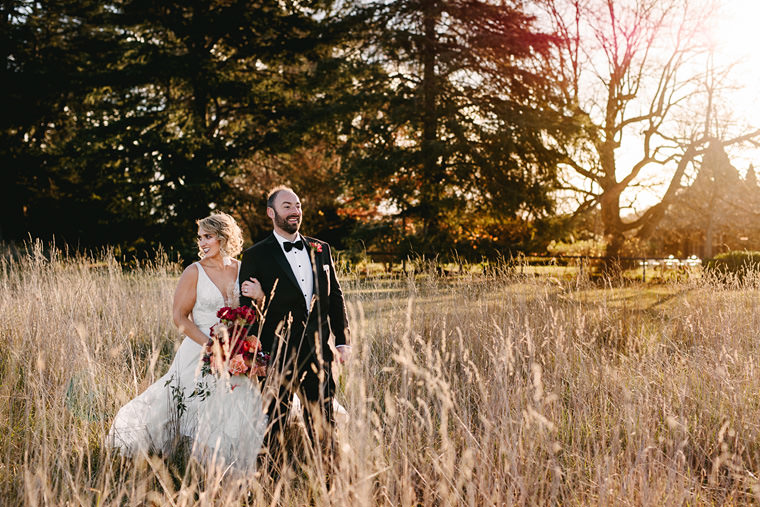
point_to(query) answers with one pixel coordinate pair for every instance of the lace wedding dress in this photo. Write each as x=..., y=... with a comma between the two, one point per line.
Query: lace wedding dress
x=227, y=427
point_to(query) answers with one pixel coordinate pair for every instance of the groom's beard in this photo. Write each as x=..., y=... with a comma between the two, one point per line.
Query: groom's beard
x=282, y=223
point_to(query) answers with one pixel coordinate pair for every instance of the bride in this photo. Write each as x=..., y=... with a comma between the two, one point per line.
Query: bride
x=228, y=425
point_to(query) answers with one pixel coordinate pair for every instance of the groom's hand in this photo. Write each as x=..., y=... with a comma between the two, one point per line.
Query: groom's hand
x=344, y=353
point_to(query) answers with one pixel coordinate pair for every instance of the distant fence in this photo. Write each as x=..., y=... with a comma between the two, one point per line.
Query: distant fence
x=648, y=265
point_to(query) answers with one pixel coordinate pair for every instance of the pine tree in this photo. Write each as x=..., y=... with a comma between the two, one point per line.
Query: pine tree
x=148, y=109
x=457, y=122
x=52, y=51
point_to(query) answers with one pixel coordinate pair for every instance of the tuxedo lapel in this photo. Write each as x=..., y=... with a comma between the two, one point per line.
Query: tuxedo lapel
x=279, y=257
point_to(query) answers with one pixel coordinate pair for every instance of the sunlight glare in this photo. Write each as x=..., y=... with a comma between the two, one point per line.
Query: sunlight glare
x=736, y=36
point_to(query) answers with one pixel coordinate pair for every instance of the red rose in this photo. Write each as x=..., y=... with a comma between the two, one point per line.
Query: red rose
x=224, y=312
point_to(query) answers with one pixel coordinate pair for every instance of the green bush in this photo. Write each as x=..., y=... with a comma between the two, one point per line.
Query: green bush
x=737, y=263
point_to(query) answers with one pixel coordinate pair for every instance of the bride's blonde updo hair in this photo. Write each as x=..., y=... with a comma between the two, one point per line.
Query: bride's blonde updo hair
x=226, y=229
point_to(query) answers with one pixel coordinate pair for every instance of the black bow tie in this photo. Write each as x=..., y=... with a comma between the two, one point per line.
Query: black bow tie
x=288, y=246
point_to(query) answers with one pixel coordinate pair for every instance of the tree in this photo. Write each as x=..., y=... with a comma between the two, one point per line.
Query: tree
x=631, y=70
x=239, y=81
x=51, y=53
x=314, y=173
x=454, y=136
x=161, y=105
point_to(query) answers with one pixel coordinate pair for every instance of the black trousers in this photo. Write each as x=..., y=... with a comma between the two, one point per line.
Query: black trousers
x=313, y=382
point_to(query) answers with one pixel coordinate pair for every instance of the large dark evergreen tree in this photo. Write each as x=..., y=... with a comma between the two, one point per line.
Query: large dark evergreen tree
x=458, y=122
x=51, y=53
x=146, y=109
x=130, y=119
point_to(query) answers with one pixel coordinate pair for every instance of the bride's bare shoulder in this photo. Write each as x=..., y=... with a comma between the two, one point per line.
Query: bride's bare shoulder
x=184, y=294
x=192, y=268
x=190, y=274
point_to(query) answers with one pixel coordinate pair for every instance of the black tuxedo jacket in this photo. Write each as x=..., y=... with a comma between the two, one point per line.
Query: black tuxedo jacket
x=266, y=262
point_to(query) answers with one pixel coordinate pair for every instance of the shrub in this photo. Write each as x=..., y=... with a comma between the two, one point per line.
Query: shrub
x=737, y=263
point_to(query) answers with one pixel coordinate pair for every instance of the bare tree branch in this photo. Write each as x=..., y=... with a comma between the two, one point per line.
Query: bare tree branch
x=621, y=44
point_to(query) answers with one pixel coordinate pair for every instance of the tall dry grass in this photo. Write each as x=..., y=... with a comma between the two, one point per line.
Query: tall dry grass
x=468, y=391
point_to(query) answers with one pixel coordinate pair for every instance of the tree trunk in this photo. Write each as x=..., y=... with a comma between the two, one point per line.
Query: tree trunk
x=613, y=233
x=430, y=189
x=709, y=237
x=613, y=225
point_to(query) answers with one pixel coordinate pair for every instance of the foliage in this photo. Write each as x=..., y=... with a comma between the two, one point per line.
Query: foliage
x=314, y=173
x=453, y=136
x=737, y=263
x=53, y=52
x=128, y=120
x=160, y=106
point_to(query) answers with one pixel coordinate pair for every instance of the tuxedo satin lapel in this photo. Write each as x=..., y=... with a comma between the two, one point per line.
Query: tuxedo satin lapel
x=279, y=256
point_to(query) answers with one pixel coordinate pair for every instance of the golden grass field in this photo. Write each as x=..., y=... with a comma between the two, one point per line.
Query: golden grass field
x=474, y=390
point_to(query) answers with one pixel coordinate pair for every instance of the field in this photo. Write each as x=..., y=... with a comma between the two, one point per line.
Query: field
x=467, y=390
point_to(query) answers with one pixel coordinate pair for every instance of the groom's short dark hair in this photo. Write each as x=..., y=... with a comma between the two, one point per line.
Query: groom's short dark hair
x=273, y=194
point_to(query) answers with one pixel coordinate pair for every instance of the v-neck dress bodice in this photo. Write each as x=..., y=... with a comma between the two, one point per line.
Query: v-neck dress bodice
x=209, y=298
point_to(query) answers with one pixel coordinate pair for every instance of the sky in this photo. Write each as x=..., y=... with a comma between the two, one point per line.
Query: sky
x=737, y=34
x=734, y=30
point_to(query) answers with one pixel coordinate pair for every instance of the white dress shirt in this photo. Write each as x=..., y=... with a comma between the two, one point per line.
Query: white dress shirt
x=301, y=265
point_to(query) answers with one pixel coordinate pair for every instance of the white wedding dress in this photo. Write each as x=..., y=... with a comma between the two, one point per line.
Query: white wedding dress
x=227, y=427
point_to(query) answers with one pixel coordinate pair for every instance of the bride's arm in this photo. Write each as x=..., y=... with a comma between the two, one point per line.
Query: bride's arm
x=184, y=300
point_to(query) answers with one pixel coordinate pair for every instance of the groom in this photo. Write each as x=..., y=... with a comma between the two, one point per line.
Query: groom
x=303, y=304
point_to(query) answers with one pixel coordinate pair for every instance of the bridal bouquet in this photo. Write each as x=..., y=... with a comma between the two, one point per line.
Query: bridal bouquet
x=232, y=347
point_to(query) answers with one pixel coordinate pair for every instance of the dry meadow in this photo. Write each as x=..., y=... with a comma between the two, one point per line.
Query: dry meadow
x=471, y=390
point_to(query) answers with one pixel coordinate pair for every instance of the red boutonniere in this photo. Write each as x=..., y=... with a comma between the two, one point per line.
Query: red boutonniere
x=316, y=246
